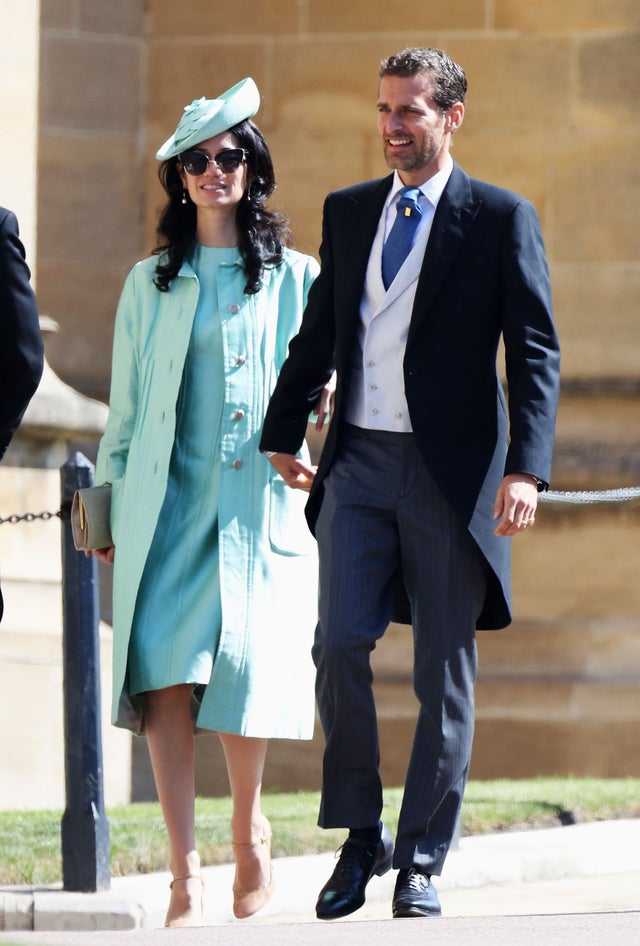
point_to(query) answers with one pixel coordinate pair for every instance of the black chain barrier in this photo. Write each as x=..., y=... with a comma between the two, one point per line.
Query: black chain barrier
x=576, y=497
x=63, y=513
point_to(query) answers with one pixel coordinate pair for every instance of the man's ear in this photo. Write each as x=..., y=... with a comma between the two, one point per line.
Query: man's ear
x=454, y=117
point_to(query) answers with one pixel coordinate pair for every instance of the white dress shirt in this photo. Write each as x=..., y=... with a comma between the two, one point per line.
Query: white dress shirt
x=376, y=385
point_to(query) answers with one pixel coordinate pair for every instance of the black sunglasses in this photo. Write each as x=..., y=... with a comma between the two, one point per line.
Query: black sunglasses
x=196, y=163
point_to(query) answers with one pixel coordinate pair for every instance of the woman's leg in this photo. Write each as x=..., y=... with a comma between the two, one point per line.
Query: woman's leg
x=250, y=830
x=245, y=764
x=171, y=746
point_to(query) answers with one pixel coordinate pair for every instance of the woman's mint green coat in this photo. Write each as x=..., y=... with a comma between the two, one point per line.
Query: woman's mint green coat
x=268, y=568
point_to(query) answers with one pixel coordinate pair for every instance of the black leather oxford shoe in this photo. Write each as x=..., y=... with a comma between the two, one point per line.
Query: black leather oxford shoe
x=344, y=892
x=415, y=895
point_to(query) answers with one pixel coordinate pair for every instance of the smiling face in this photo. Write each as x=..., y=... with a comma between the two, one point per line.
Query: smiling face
x=215, y=190
x=416, y=133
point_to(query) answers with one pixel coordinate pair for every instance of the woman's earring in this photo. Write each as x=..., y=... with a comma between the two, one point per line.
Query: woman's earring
x=184, y=196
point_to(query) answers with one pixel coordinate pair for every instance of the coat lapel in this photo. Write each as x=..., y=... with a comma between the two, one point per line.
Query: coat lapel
x=360, y=216
x=454, y=216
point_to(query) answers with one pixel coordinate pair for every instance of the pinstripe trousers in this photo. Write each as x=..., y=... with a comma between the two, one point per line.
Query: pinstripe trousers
x=380, y=510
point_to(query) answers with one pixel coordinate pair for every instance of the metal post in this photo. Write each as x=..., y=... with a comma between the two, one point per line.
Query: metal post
x=85, y=828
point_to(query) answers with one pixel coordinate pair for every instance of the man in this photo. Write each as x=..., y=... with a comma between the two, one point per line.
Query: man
x=21, y=347
x=416, y=478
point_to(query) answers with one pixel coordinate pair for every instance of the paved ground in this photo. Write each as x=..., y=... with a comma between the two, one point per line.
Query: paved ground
x=575, y=885
x=599, y=929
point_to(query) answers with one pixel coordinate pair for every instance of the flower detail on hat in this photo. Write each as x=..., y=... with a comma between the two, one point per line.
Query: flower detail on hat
x=196, y=116
x=205, y=118
x=195, y=104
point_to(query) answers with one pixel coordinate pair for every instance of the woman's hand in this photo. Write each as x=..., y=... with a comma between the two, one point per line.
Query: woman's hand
x=104, y=555
x=293, y=471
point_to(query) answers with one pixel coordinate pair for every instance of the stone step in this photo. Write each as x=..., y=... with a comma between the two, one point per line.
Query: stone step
x=580, y=562
x=587, y=650
x=30, y=606
x=517, y=748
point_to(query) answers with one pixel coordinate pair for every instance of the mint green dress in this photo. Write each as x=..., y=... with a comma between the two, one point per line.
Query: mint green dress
x=177, y=620
x=228, y=590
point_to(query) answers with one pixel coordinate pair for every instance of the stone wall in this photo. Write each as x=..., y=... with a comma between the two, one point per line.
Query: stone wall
x=19, y=53
x=90, y=191
x=551, y=113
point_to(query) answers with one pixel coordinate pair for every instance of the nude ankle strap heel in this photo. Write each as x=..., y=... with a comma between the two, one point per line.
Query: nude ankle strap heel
x=177, y=916
x=253, y=864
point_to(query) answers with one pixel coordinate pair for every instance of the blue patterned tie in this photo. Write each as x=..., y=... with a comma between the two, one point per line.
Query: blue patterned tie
x=402, y=235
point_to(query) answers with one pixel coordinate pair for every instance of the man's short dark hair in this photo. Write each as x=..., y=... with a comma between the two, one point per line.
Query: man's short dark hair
x=450, y=82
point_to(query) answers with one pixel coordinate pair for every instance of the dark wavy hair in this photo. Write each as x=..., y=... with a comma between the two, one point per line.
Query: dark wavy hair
x=262, y=233
x=449, y=80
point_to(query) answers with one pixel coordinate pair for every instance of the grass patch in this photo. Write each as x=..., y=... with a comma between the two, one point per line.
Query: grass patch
x=30, y=841
x=506, y=805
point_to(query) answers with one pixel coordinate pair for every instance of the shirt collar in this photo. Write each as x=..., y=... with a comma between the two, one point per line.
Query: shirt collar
x=431, y=189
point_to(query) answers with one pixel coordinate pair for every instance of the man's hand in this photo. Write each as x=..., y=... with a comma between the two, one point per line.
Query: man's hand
x=323, y=408
x=293, y=471
x=516, y=504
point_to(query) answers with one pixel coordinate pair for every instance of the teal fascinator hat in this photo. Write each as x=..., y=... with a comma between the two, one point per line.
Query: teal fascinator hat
x=206, y=118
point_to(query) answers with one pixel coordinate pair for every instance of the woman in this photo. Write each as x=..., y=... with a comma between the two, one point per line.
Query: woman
x=214, y=570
